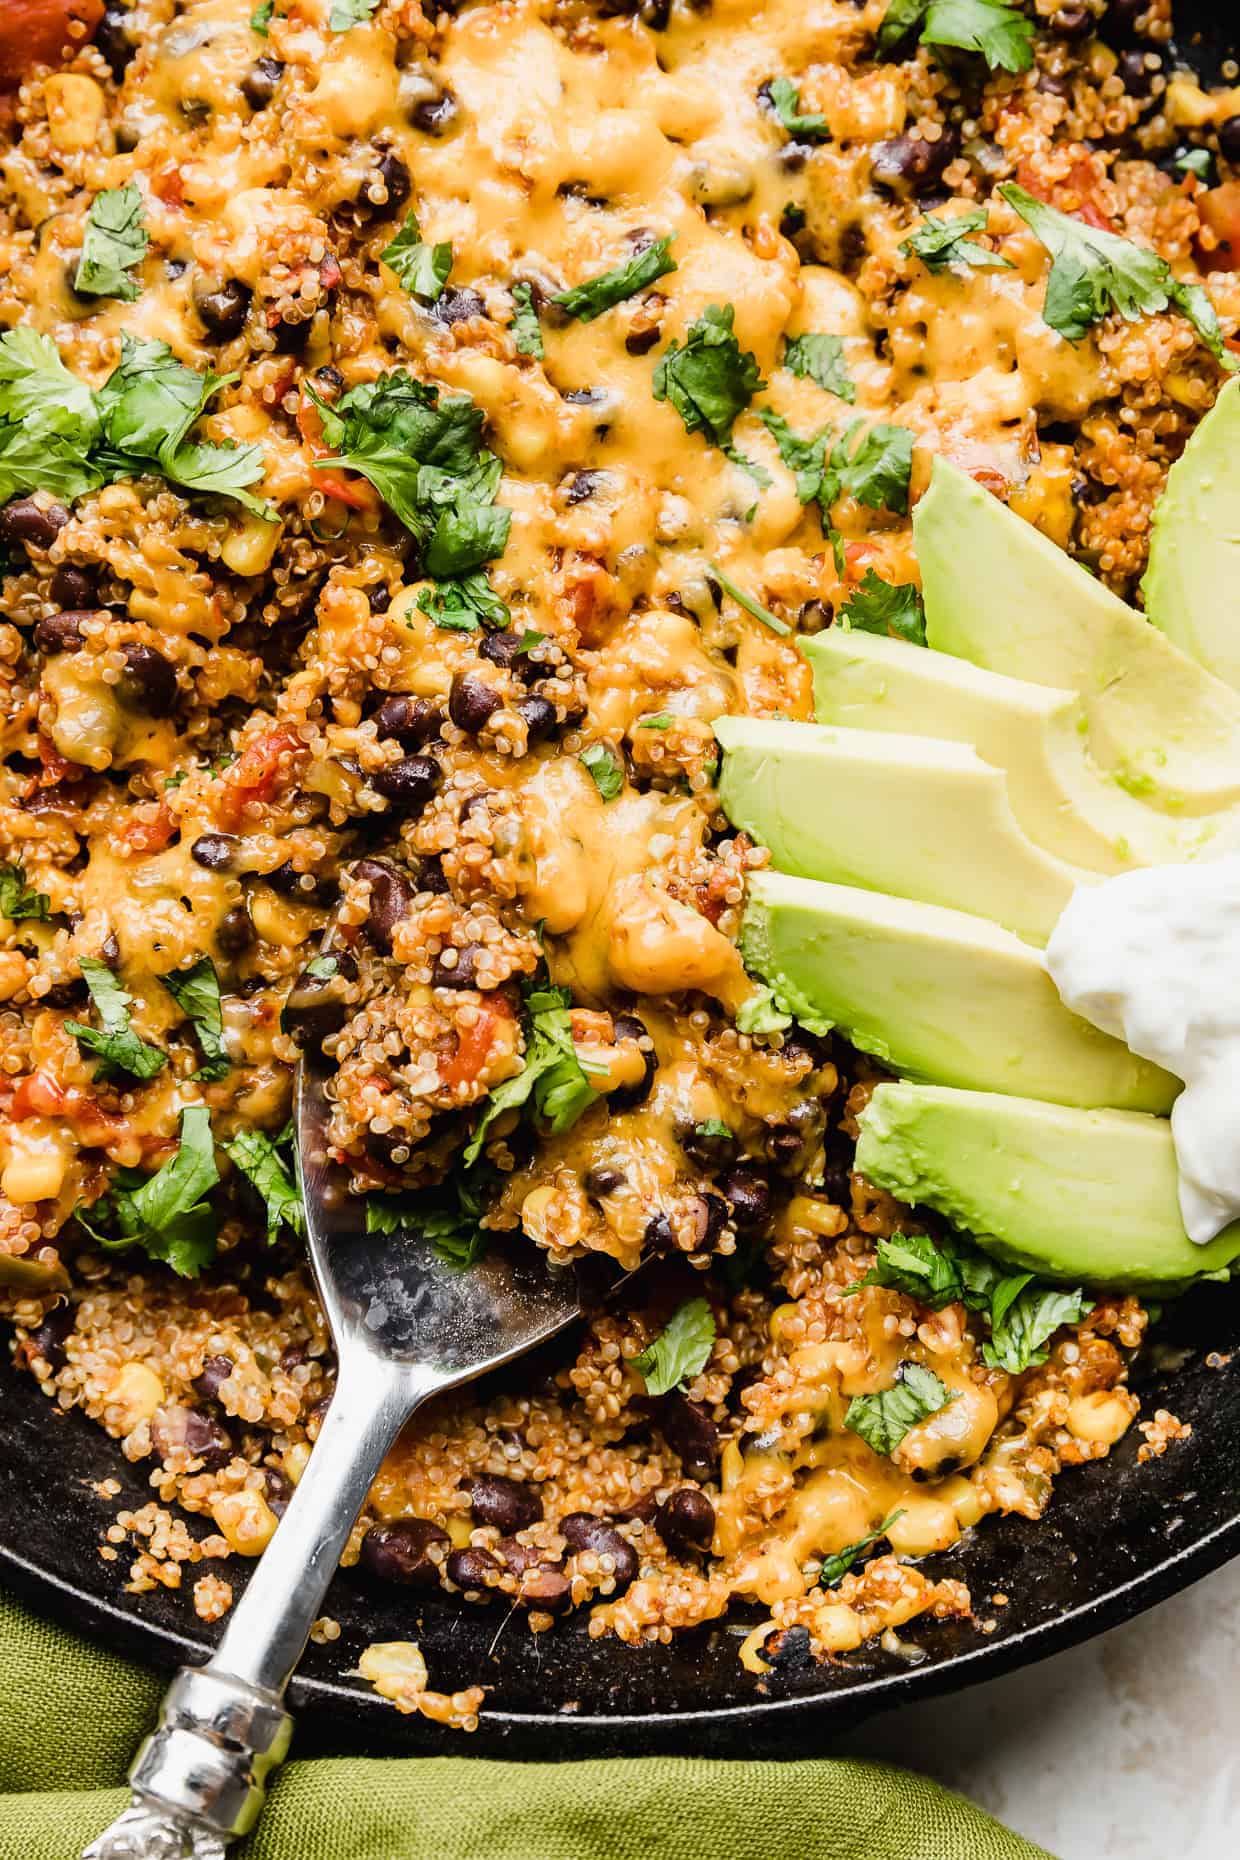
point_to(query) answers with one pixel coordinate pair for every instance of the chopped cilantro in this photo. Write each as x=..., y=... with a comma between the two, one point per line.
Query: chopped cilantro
x=165, y=1213
x=747, y=601
x=258, y=1158
x=526, y=329
x=119, y=1048
x=760, y=475
x=836, y=1567
x=553, y=1075
x=681, y=1351
x=709, y=379
x=995, y=30
x=450, y=1217
x=115, y=239
x=882, y=1420
x=422, y=269
x=605, y=768
x=196, y=991
x=260, y=18
x=462, y=606
x=18, y=900
x=939, y=243
x=714, y=1127
x=425, y=457
x=591, y=299
x=876, y=471
x=661, y=720
x=879, y=606
x=806, y=458
x=785, y=100
x=1093, y=272
x=821, y=358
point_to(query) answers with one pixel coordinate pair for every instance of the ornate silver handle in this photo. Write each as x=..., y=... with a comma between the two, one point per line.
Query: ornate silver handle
x=199, y=1780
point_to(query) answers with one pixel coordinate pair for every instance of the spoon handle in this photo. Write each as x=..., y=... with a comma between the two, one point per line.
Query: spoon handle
x=199, y=1780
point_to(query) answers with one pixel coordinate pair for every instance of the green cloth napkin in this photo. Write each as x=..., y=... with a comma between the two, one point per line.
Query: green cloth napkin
x=71, y=1715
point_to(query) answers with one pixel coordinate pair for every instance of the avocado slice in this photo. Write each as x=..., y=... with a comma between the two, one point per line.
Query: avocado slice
x=1075, y=1195
x=1034, y=733
x=936, y=994
x=1003, y=596
x=1192, y=584
x=908, y=815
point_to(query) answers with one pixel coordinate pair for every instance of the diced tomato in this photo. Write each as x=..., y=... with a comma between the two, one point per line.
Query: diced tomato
x=56, y=768
x=253, y=776
x=37, y=32
x=330, y=273
x=1074, y=194
x=166, y=186
x=38, y=1095
x=473, y=1045
x=355, y=493
x=858, y=556
x=1219, y=208
x=147, y=836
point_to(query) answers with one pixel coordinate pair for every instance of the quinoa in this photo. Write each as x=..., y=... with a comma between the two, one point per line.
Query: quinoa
x=227, y=727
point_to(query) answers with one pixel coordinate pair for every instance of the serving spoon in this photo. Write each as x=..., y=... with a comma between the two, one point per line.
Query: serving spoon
x=406, y=1324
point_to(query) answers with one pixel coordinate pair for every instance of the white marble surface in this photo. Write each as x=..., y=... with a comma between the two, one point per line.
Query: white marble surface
x=1127, y=1748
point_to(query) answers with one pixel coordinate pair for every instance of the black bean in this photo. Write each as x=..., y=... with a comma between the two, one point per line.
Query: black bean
x=583, y=486
x=472, y=702
x=907, y=162
x=709, y=1214
x=391, y=899
x=279, y=1489
x=1074, y=22
x=235, y=932
x=316, y=1004
x=261, y=81
x=24, y=521
x=518, y=1558
x=628, y=1027
x=409, y=783
x=658, y=1236
x=691, y=1434
x=60, y=632
x=1134, y=74
x=686, y=1520
x=224, y=311
x=788, y=1649
x=58, y=1323
x=435, y=115
x=215, y=851
x=540, y=717
x=412, y=721
x=749, y=1199
x=652, y=13
x=582, y=1531
x=475, y=1571
x=380, y=596
x=116, y=38
x=710, y=1148
x=643, y=338
x=603, y=1180
x=1229, y=138
x=1122, y=16
x=215, y=1370
x=149, y=681
x=545, y=1591
x=74, y=588
x=386, y=187
x=458, y=306
x=400, y=1552
x=506, y=1503
x=431, y=876
x=206, y=1440
x=459, y=974
x=292, y=334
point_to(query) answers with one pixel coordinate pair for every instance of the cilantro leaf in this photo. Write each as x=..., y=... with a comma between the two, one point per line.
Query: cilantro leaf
x=462, y=606
x=1026, y=1321
x=449, y=1218
x=709, y=379
x=119, y=1048
x=805, y=457
x=552, y=1074
x=422, y=269
x=346, y=13
x=879, y=606
x=681, y=1351
x=196, y=991
x=165, y=1214
x=526, y=328
x=605, y=768
x=939, y=243
x=915, y=1265
x=898, y=21
x=146, y=408
x=465, y=537
x=876, y=471
x=590, y=299
x=882, y=1420
x=760, y=475
x=785, y=101
x=836, y=1567
x=821, y=358
x=48, y=422
x=999, y=32
x=260, y=18
x=115, y=238
x=1093, y=272
x=18, y=900
x=259, y=1160
x=748, y=602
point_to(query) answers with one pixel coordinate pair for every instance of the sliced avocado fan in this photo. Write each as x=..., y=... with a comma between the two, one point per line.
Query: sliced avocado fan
x=1073, y=1195
x=936, y=995
x=1192, y=584
x=1003, y=596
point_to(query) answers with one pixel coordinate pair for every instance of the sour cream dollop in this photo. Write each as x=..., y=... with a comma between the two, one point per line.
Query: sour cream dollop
x=1153, y=957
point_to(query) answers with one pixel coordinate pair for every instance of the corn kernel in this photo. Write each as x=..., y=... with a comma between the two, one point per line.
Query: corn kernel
x=135, y=1394
x=246, y=1520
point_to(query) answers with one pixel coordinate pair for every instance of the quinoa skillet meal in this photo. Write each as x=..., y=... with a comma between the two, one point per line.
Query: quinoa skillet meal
x=635, y=512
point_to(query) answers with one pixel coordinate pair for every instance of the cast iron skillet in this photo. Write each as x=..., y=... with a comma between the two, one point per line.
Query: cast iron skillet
x=1118, y=1537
